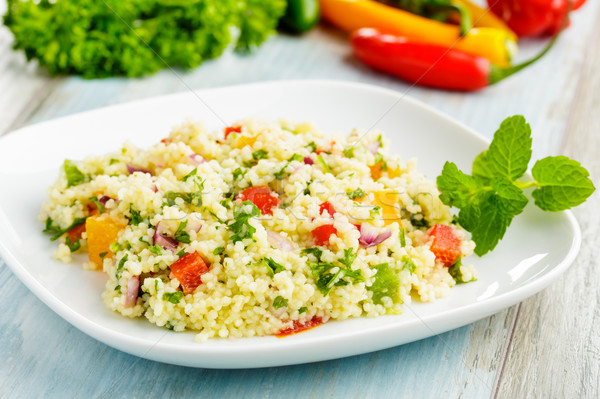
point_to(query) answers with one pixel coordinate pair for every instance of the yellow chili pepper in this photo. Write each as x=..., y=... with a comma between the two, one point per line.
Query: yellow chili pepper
x=497, y=45
x=484, y=17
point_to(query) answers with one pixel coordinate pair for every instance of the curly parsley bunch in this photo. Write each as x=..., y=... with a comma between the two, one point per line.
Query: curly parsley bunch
x=102, y=38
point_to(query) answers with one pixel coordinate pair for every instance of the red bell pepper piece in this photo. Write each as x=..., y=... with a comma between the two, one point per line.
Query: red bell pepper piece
x=444, y=244
x=534, y=17
x=188, y=270
x=322, y=233
x=428, y=64
x=262, y=197
x=326, y=206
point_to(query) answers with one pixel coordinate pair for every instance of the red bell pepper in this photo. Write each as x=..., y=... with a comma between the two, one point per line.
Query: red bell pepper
x=534, y=17
x=428, y=64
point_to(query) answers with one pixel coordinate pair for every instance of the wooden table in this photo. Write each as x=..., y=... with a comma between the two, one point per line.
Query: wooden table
x=547, y=346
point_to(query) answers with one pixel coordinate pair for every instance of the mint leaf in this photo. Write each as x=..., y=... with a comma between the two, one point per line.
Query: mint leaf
x=73, y=174
x=456, y=187
x=385, y=283
x=509, y=152
x=563, y=183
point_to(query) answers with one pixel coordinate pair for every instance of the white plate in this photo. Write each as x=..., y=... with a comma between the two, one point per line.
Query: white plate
x=538, y=247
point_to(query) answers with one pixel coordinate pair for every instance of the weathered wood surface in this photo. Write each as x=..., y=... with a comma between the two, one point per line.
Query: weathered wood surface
x=548, y=346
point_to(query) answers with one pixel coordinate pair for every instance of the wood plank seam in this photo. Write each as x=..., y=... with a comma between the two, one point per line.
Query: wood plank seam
x=505, y=350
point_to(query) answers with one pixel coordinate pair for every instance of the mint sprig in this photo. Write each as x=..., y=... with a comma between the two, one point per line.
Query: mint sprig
x=492, y=196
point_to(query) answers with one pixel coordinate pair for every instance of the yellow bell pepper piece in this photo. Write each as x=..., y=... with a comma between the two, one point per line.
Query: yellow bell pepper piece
x=389, y=201
x=497, y=45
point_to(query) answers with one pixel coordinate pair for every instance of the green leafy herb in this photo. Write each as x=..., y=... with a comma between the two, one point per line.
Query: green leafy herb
x=402, y=237
x=239, y=173
x=349, y=152
x=99, y=39
x=120, y=266
x=241, y=227
x=329, y=275
x=315, y=251
x=56, y=231
x=173, y=297
x=191, y=174
x=312, y=146
x=456, y=274
x=102, y=254
x=181, y=235
x=113, y=161
x=380, y=161
x=181, y=253
x=218, y=251
x=156, y=249
x=492, y=196
x=98, y=204
x=279, y=302
x=409, y=264
x=303, y=309
x=73, y=174
x=135, y=217
x=386, y=283
x=73, y=246
x=273, y=267
x=323, y=163
x=375, y=210
x=356, y=194
x=260, y=154
x=296, y=157
x=348, y=258
x=193, y=198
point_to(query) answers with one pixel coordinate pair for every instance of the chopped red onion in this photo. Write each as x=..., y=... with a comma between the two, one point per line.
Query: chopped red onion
x=371, y=236
x=373, y=147
x=279, y=241
x=133, y=287
x=164, y=241
x=309, y=161
x=197, y=159
x=154, y=188
x=194, y=222
x=104, y=199
x=131, y=169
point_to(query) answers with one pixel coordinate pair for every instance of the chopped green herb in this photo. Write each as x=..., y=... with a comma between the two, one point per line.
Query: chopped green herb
x=418, y=220
x=314, y=251
x=98, y=204
x=356, y=194
x=73, y=174
x=57, y=232
x=241, y=227
x=402, y=237
x=323, y=163
x=328, y=275
x=113, y=161
x=312, y=146
x=156, y=249
x=379, y=160
x=219, y=250
x=239, y=173
x=142, y=239
x=225, y=204
x=409, y=264
x=120, y=266
x=260, y=154
x=115, y=247
x=349, y=152
x=348, y=258
x=303, y=309
x=135, y=217
x=73, y=246
x=103, y=254
x=191, y=174
x=386, y=283
x=279, y=302
x=173, y=297
x=492, y=196
x=272, y=266
x=456, y=273
x=375, y=210
x=181, y=253
x=181, y=235
x=118, y=289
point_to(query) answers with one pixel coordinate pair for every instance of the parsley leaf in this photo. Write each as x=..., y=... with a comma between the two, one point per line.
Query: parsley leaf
x=386, y=283
x=135, y=217
x=279, y=302
x=323, y=163
x=173, y=297
x=181, y=235
x=57, y=232
x=260, y=154
x=490, y=198
x=98, y=204
x=241, y=227
x=273, y=267
x=73, y=246
x=358, y=193
x=239, y=173
x=73, y=174
x=218, y=251
x=191, y=174
x=349, y=152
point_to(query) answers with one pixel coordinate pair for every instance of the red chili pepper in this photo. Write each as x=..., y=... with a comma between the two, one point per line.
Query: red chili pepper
x=430, y=65
x=534, y=17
